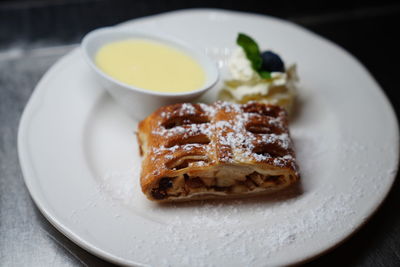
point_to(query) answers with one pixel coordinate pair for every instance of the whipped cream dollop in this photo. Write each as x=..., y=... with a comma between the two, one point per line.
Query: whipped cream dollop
x=246, y=84
x=240, y=67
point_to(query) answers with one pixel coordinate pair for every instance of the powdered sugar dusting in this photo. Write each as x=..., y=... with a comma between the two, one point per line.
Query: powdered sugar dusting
x=226, y=126
x=238, y=230
x=339, y=175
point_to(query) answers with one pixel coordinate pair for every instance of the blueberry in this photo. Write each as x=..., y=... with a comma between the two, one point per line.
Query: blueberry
x=271, y=62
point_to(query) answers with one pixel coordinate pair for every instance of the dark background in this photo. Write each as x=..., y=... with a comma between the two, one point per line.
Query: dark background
x=367, y=29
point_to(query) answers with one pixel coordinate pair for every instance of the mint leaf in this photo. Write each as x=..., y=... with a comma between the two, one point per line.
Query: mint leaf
x=251, y=50
x=253, y=54
x=264, y=74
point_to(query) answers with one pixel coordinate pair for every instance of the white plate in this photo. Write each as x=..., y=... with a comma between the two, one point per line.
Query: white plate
x=80, y=161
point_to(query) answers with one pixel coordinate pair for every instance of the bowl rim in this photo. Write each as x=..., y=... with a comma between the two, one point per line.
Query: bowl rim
x=211, y=80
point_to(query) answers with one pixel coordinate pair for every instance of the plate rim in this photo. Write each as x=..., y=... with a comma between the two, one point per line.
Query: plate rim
x=27, y=169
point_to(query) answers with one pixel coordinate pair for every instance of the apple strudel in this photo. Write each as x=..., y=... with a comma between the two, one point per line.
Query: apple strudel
x=199, y=151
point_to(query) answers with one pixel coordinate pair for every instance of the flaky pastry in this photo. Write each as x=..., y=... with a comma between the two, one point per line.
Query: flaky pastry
x=199, y=151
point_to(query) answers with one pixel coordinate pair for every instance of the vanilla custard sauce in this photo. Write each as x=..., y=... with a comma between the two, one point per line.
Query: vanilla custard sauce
x=151, y=65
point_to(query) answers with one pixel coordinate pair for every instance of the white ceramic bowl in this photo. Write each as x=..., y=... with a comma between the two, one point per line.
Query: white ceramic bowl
x=139, y=102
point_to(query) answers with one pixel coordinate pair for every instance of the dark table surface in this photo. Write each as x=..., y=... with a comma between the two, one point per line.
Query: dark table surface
x=34, y=34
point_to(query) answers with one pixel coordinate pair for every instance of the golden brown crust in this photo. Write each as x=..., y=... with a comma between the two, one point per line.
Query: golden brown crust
x=199, y=151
